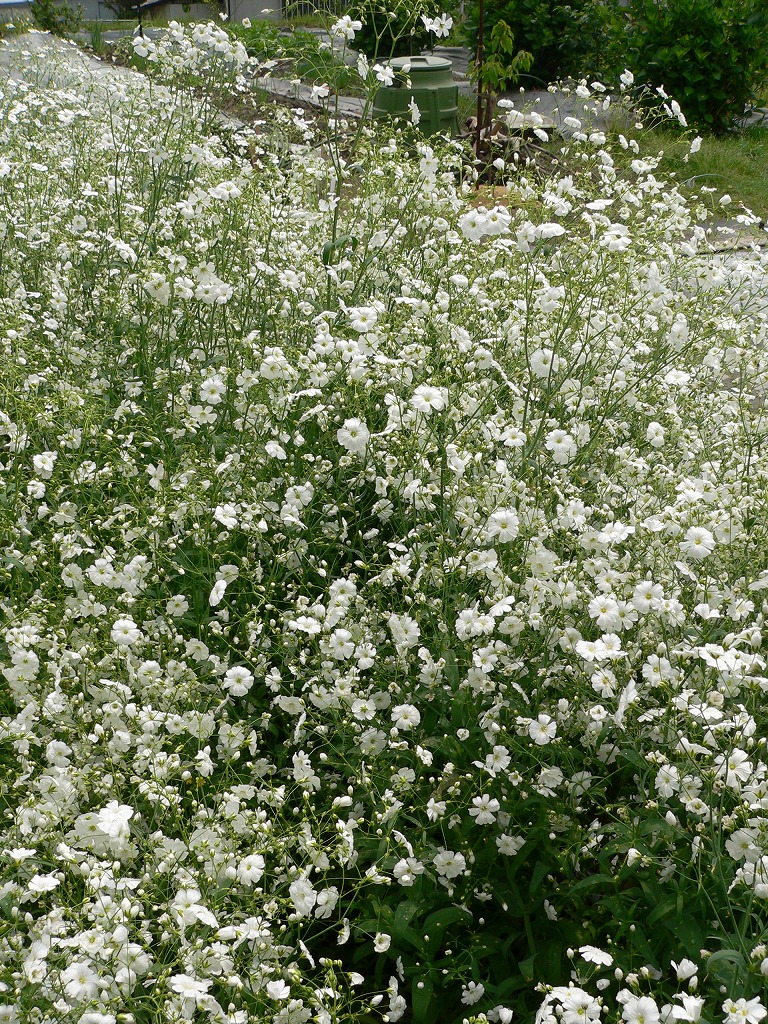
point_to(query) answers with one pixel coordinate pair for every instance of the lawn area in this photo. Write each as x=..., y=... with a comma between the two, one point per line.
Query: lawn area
x=382, y=571
x=734, y=165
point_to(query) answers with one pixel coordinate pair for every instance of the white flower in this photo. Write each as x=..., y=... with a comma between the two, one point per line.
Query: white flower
x=655, y=434
x=382, y=942
x=426, y=397
x=384, y=74
x=190, y=989
x=449, y=864
x=212, y=391
x=562, y=446
x=177, y=606
x=345, y=27
x=354, y=435
x=593, y=955
x=125, y=632
x=363, y=318
x=39, y=884
x=640, y=1010
x=667, y=780
x=278, y=989
x=443, y=25
x=509, y=845
x=472, y=225
x=113, y=820
x=217, y=593
x=407, y=870
x=472, y=993
x=405, y=717
x=544, y=362
x=226, y=515
x=405, y=631
x=251, y=869
x=744, y=1011
x=543, y=730
x=698, y=543
x=691, y=1009
x=734, y=768
x=303, y=895
x=413, y=111
x=484, y=809
x=156, y=475
x=81, y=982
x=238, y=680
x=275, y=450
x=604, y=609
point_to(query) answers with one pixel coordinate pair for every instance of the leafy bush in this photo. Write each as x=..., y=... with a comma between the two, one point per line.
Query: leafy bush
x=565, y=39
x=501, y=66
x=392, y=28
x=261, y=38
x=57, y=16
x=709, y=55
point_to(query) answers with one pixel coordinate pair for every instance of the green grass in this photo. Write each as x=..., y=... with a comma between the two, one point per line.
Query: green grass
x=735, y=164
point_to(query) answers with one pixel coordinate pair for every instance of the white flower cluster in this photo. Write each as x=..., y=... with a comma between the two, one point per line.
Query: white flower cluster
x=381, y=579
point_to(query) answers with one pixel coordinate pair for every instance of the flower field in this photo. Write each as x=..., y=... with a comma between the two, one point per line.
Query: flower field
x=382, y=574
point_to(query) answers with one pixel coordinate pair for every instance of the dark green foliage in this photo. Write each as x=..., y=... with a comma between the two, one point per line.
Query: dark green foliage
x=709, y=55
x=566, y=39
x=392, y=29
x=501, y=67
x=502, y=62
x=57, y=16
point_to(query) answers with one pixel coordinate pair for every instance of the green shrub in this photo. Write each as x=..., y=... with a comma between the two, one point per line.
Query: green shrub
x=57, y=16
x=393, y=29
x=260, y=38
x=710, y=55
x=566, y=39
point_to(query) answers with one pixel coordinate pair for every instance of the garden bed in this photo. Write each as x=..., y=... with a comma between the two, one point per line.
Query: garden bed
x=382, y=576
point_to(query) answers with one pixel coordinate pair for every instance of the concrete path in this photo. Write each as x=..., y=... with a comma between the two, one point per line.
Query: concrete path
x=41, y=57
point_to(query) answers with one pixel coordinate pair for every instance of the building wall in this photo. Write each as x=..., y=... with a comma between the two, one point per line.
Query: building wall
x=9, y=8
x=255, y=9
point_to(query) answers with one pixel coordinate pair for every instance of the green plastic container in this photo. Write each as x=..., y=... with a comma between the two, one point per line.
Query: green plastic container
x=433, y=89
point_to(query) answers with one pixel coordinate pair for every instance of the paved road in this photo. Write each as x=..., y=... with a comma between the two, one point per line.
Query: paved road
x=38, y=55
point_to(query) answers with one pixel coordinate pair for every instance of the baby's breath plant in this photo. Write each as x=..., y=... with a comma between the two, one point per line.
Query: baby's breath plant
x=381, y=575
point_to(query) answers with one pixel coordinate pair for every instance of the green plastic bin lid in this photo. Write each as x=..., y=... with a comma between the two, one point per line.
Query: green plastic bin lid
x=420, y=63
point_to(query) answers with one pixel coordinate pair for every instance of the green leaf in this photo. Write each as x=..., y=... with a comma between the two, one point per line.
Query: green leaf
x=10, y=560
x=421, y=999
x=451, y=670
x=731, y=956
x=333, y=248
x=437, y=924
x=400, y=928
x=592, y=883
x=661, y=910
x=527, y=968
x=539, y=872
x=635, y=758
